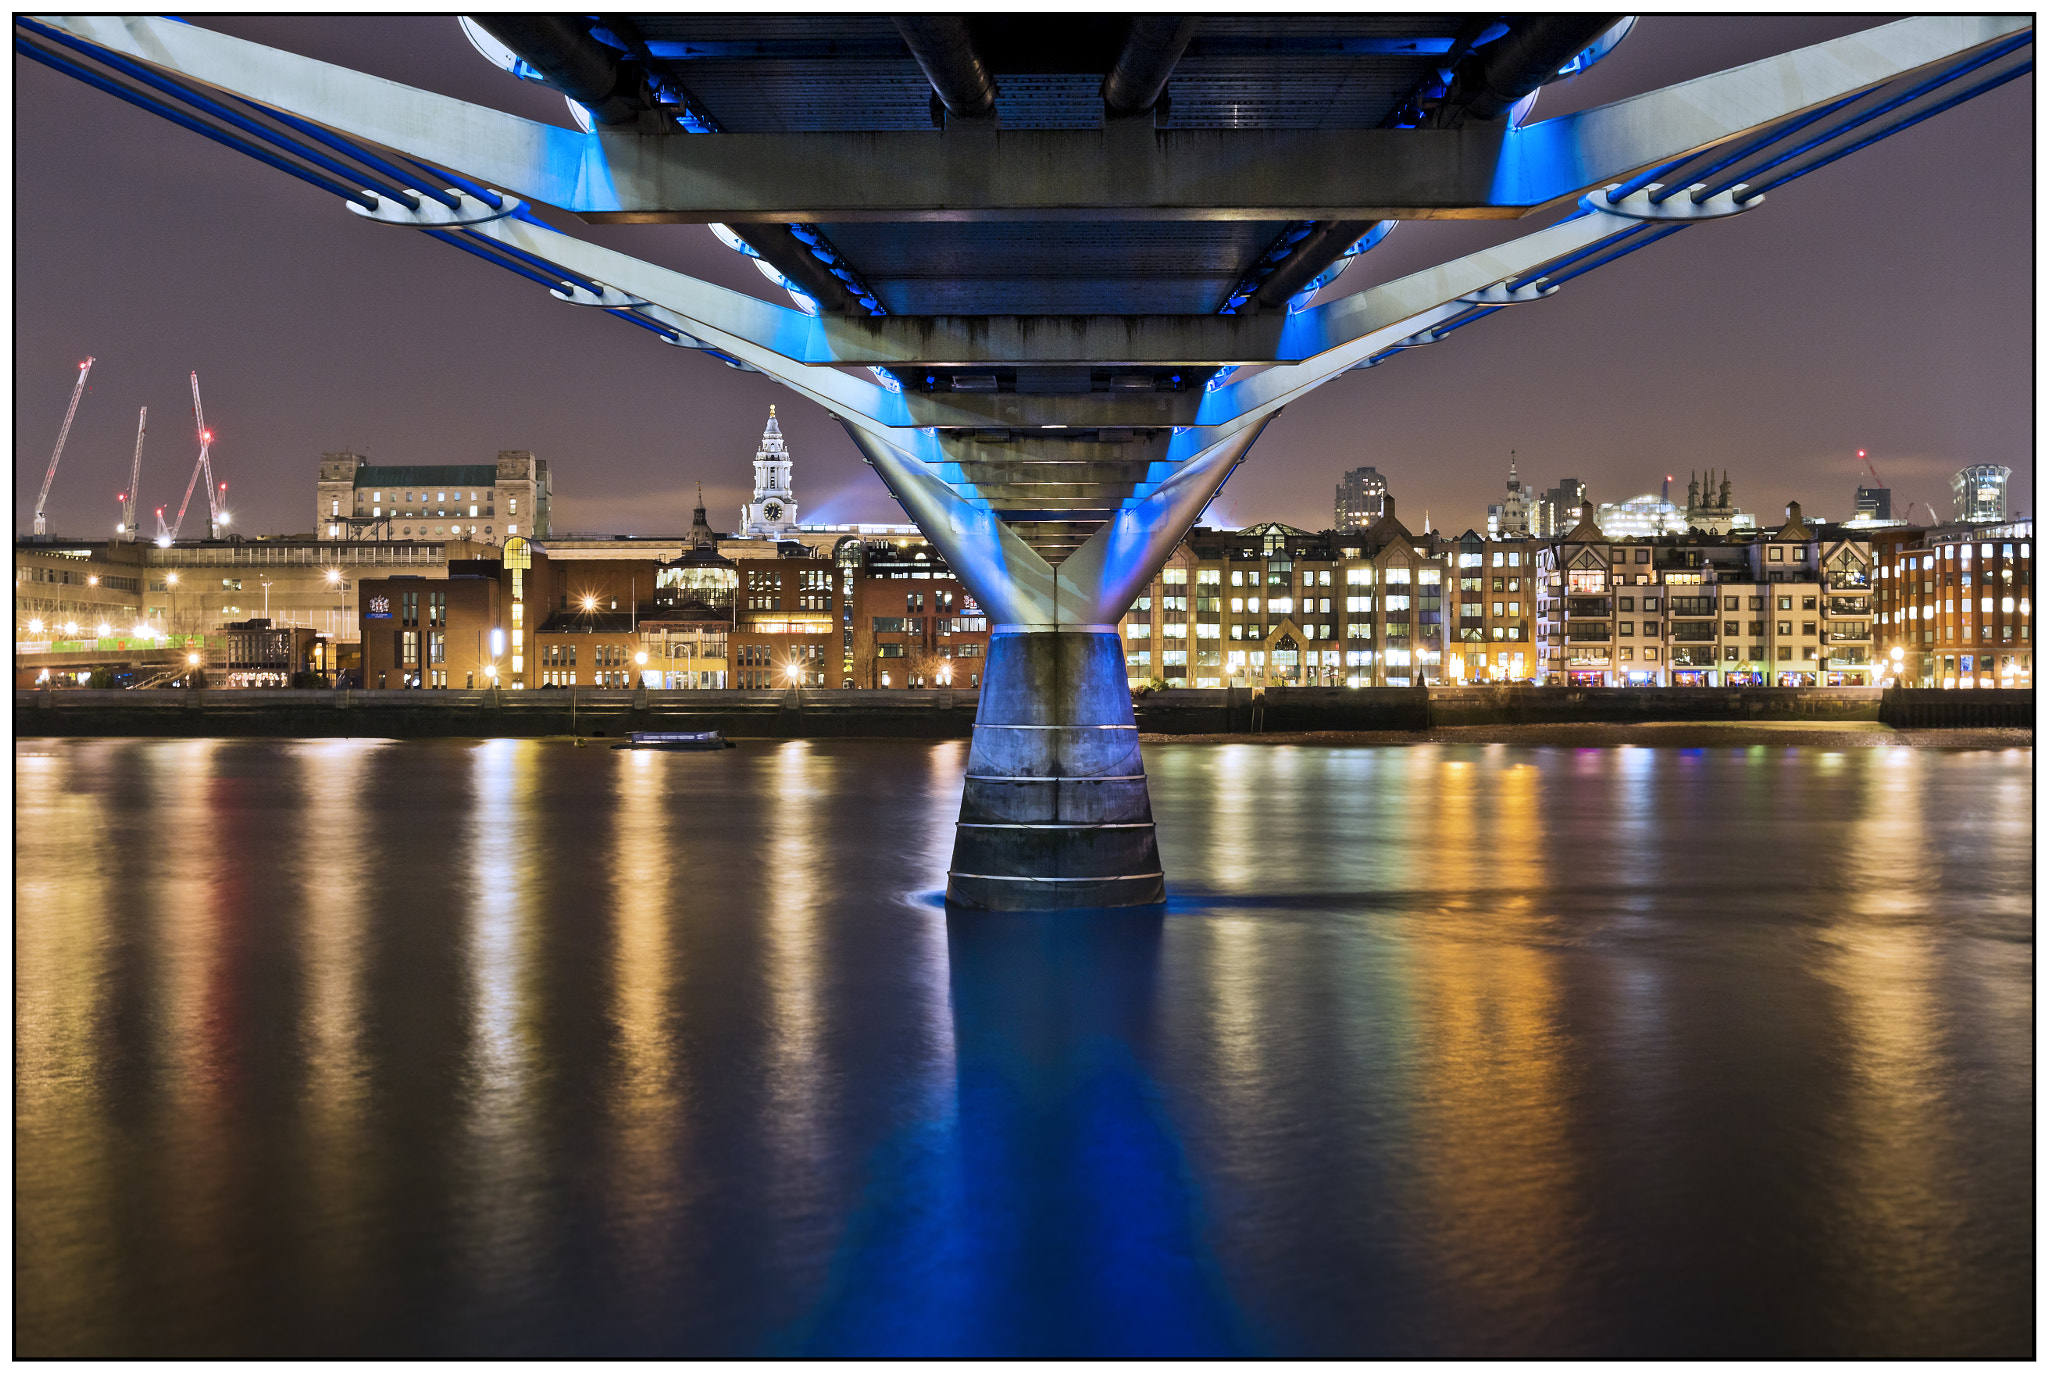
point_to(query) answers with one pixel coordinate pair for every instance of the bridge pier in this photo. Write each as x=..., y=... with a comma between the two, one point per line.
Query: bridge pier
x=1055, y=814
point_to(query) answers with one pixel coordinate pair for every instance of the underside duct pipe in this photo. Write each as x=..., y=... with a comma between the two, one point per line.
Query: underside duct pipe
x=1528, y=55
x=1328, y=241
x=945, y=50
x=574, y=63
x=1151, y=51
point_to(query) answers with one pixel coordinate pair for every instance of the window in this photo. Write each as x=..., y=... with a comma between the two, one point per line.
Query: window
x=1627, y=602
x=1174, y=576
x=1628, y=629
x=1785, y=627
x=1807, y=603
x=1784, y=653
x=1776, y=554
x=1806, y=628
x=1358, y=576
x=1585, y=581
x=1642, y=555
x=1784, y=602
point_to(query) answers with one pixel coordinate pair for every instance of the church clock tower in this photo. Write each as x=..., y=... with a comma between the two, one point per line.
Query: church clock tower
x=772, y=512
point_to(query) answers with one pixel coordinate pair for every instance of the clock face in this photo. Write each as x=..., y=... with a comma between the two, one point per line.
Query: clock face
x=773, y=510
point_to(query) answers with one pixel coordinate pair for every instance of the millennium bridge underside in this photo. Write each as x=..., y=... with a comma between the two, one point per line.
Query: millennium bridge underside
x=1053, y=273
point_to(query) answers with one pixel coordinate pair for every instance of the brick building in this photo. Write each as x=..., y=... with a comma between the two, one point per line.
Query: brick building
x=1955, y=605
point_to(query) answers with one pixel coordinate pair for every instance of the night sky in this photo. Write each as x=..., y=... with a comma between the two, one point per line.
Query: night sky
x=1883, y=303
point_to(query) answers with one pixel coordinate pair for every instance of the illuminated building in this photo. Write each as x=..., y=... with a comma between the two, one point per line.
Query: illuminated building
x=1508, y=518
x=1788, y=607
x=913, y=623
x=1982, y=493
x=479, y=502
x=1361, y=498
x=1955, y=605
x=772, y=512
x=1272, y=605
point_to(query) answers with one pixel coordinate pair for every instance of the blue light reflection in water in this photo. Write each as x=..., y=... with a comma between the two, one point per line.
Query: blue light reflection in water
x=359, y=1048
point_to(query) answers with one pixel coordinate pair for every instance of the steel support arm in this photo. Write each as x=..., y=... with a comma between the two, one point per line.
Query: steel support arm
x=1123, y=170
x=1099, y=580
x=1006, y=575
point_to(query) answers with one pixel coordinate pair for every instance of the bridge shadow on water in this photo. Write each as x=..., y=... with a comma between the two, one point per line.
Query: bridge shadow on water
x=1046, y=1209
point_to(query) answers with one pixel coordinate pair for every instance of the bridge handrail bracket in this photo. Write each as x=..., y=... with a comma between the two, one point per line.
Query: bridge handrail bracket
x=604, y=298
x=1680, y=208
x=1501, y=294
x=432, y=214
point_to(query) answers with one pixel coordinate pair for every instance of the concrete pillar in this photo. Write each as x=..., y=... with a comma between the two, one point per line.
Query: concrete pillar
x=1055, y=814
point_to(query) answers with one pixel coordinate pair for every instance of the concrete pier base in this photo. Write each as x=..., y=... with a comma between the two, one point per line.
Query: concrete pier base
x=1055, y=814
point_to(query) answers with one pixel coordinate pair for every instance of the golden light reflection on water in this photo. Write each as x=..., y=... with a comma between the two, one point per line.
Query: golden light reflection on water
x=793, y=928
x=1492, y=1147
x=647, y=1099
x=1897, y=1150
x=337, y=896
x=65, y=1228
x=501, y=1195
x=196, y=1044
x=1900, y=1217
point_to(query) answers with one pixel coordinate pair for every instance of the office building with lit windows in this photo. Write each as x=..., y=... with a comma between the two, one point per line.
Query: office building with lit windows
x=1272, y=605
x=1955, y=605
x=1982, y=494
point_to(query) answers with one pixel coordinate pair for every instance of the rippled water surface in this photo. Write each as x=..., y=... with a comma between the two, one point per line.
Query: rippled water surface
x=357, y=1047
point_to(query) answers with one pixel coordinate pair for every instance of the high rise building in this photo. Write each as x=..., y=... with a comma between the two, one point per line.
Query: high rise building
x=1983, y=493
x=1361, y=498
x=1508, y=518
x=772, y=512
x=1557, y=510
x=1873, y=504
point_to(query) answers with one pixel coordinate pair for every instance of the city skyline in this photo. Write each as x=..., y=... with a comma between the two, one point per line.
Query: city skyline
x=1775, y=345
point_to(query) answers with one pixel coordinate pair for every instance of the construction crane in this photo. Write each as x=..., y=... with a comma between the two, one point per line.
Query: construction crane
x=215, y=516
x=84, y=369
x=1869, y=466
x=131, y=512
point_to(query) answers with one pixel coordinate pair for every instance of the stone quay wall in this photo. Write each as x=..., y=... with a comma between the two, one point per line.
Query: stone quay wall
x=949, y=713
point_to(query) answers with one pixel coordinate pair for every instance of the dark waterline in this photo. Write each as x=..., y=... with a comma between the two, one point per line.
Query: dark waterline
x=347, y=1047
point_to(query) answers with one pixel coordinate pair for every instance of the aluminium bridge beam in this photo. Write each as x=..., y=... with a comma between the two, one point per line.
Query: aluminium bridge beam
x=1121, y=171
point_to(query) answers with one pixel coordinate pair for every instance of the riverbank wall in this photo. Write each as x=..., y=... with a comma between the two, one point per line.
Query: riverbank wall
x=949, y=714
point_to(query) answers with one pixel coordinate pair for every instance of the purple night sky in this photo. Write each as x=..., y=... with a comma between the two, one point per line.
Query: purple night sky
x=1885, y=303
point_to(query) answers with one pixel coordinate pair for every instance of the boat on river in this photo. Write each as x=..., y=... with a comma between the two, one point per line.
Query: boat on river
x=676, y=742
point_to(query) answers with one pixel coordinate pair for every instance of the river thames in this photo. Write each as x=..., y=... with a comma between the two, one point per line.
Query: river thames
x=507, y=1047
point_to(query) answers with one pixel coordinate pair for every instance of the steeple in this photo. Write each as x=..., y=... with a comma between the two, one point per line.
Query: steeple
x=772, y=512
x=700, y=527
